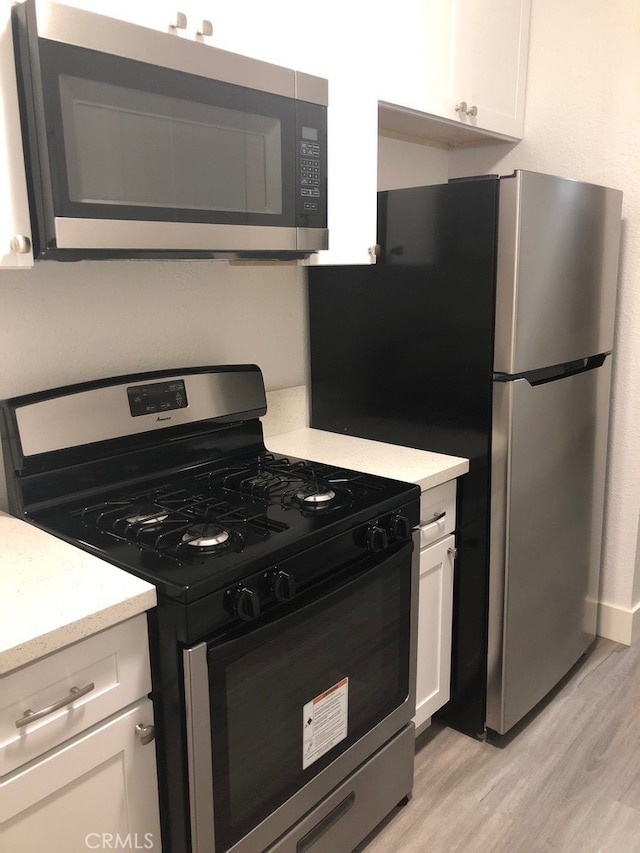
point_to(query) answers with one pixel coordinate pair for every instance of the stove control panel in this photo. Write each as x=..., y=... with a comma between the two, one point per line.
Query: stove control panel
x=283, y=582
x=157, y=397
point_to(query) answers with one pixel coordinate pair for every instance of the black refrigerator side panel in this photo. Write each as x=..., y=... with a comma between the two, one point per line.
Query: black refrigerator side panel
x=402, y=352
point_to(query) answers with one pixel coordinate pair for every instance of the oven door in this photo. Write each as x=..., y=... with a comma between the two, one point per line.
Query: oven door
x=159, y=155
x=280, y=711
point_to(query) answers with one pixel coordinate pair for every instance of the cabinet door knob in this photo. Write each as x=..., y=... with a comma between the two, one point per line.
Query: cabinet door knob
x=205, y=29
x=453, y=552
x=179, y=22
x=20, y=244
x=463, y=107
x=145, y=733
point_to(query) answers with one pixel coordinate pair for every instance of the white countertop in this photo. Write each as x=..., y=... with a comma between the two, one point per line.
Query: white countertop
x=423, y=467
x=52, y=593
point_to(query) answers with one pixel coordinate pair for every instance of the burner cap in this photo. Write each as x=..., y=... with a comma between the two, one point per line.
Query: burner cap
x=148, y=514
x=319, y=498
x=205, y=536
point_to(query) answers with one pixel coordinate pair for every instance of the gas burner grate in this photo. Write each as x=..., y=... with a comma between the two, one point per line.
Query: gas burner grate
x=253, y=481
x=306, y=486
x=173, y=522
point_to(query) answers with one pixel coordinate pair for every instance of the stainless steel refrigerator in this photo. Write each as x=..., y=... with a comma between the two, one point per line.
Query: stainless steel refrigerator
x=486, y=330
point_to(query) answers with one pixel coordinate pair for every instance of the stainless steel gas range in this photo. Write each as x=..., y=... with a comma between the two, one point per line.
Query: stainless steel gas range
x=284, y=641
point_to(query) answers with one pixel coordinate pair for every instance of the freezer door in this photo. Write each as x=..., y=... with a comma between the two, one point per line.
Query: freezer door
x=558, y=243
x=548, y=467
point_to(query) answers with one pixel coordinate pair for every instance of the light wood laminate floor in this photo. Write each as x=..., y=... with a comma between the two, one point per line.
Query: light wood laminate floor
x=567, y=779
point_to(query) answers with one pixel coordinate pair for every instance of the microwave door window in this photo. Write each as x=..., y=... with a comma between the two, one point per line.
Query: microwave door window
x=128, y=147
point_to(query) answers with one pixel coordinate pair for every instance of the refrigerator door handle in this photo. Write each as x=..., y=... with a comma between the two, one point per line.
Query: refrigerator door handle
x=555, y=371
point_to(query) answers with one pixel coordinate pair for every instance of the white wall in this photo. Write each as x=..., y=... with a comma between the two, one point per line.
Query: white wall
x=403, y=164
x=68, y=322
x=583, y=121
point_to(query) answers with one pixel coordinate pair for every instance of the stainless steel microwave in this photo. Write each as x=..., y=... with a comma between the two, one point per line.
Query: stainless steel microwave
x=140, y=143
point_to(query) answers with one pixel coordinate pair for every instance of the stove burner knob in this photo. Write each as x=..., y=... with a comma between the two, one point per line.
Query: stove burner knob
x=245, y=603
x=377, y=538
x=399, y=527
x=283, y=586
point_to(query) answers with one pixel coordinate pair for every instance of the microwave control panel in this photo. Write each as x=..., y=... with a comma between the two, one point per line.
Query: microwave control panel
x=311, y=172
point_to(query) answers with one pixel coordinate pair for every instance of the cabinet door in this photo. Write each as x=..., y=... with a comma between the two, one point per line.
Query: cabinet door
x=15, y=228
x=98, y=791
x=352, y=130
x=456, y=51
x=352, y=167
x=435, y=609
x=279, y=32
x=485, y=67
x=282, y=32
x=158, y=15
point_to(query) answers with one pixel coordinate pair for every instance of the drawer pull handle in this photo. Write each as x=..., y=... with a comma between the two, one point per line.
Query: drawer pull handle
x=74, y=693
x=436, y=518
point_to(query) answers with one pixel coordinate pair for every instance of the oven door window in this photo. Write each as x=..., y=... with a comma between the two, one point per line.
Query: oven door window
x=129, y=140
x=347, y=650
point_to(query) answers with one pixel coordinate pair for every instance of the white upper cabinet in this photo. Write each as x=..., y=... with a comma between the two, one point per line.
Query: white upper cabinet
x=276, y=32
x=346, y=46
x=15, y=228
x=280, y=32
x=352, y=169
x=159, y=15
x=461, y=61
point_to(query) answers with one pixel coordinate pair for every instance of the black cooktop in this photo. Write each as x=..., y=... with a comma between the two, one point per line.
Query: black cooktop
x=193, y=533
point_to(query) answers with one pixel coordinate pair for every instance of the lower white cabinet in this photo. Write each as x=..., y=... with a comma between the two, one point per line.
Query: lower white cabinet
x=80, y=775
x=96, y=792
x=434, y=629
x=435, y=604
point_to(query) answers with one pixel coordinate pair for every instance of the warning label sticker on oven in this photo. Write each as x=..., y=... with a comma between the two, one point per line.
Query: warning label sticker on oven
x=324, y=722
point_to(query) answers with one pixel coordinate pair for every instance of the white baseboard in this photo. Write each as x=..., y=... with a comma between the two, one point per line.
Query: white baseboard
x=619, y=623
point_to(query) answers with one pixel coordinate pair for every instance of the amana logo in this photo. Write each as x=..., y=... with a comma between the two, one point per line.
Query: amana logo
x=165, y=418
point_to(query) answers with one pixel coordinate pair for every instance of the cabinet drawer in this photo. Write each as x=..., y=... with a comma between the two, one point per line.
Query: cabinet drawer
x=437, y=512
x=115, y=662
